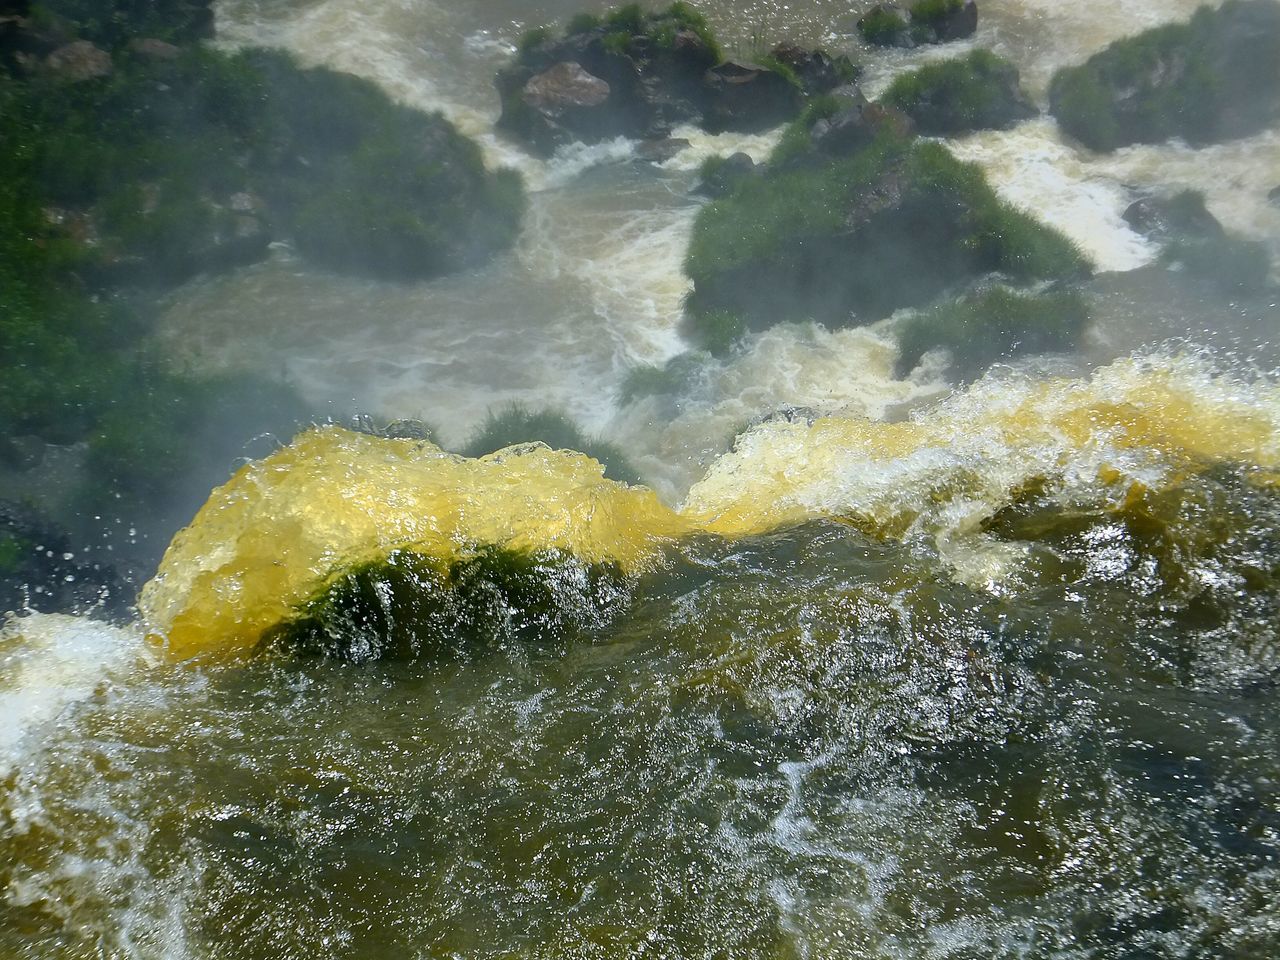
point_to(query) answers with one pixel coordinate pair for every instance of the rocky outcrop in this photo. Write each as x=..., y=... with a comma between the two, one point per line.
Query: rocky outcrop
x=850, y=222
x=719, y=175
x=1193, y=239
x=79, y=60
x=978, y=92
x=748, y=98
x=857, y=126
x=1214, y=78
x=925, y=21
x=639, y=75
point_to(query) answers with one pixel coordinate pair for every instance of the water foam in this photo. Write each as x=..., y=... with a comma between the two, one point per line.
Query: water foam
x=47, y=663
x=284, y=527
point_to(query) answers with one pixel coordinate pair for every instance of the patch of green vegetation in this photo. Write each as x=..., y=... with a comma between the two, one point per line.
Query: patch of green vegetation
x=933, y=12
x=582, y=23
x=978, y=329
x=975, y=92
x=821, y=237
x=795, y=140
x=516, y=423
x=784, y=70
x=534, y=38
x=411, y=607
x=630, y=18
x=622, y=27
x=114, y=23
x=715, y=331
x=882, y=27
x=12, y=551
x=1214, y=77
x=670, y=378
x=618, y=42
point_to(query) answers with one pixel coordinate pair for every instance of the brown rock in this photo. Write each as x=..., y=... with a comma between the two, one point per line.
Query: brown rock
x=565, y=86
x=80, y=60
x=154, y=49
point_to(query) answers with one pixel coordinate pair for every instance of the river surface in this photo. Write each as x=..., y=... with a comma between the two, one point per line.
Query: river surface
x=906, y=670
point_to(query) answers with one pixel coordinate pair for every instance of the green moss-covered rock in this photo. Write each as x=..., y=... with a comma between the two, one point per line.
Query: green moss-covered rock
x=925, y=21
x=515, y=424
x=637, y=74
x=851, y=238
x=978, y=92
x=1214, y=78
x=170, y=167
x=1193, y=240
x=412, y=607
x=980, y=328
x=112, y=23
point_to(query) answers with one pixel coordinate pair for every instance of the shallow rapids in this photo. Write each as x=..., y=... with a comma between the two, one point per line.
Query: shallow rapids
x=879, y=665
x=806, y=715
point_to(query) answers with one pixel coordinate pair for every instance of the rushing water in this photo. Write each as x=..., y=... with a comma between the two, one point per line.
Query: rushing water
x=906, y=672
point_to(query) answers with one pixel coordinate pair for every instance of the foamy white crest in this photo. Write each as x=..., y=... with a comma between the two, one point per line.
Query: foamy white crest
x=702, y=145
x=47, y=663
x=1031, y=167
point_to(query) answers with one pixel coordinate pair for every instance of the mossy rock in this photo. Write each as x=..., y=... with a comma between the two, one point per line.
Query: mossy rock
x=980, y=91
x=408, y=606
x=1214, y=78
x=638, y=74
x=925, y=21
x=980, y=328
x=1193, y=240
x=111, y=23
x=850, y=239
x=171, y=167
x=515, y=424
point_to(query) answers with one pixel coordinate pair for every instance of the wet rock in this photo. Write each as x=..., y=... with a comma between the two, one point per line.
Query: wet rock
x=746, y=97
x=842, y=239
x=1182, y=216
x=154, y=49
x=721, y=175
x=78, y=61
x=566, y=86
x=857, y=126
x=1273, y=196
x=662, y=70
x=817, y=71
x=886, y=25
x=1194, y=241
x=162, y=248
x=927, y=21
x=957, y=22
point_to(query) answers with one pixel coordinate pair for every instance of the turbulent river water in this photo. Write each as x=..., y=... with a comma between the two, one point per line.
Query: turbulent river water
x=905, y=670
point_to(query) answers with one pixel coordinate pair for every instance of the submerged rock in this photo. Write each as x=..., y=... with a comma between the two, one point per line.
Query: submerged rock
x=1214, y=78
x=1194, y=240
